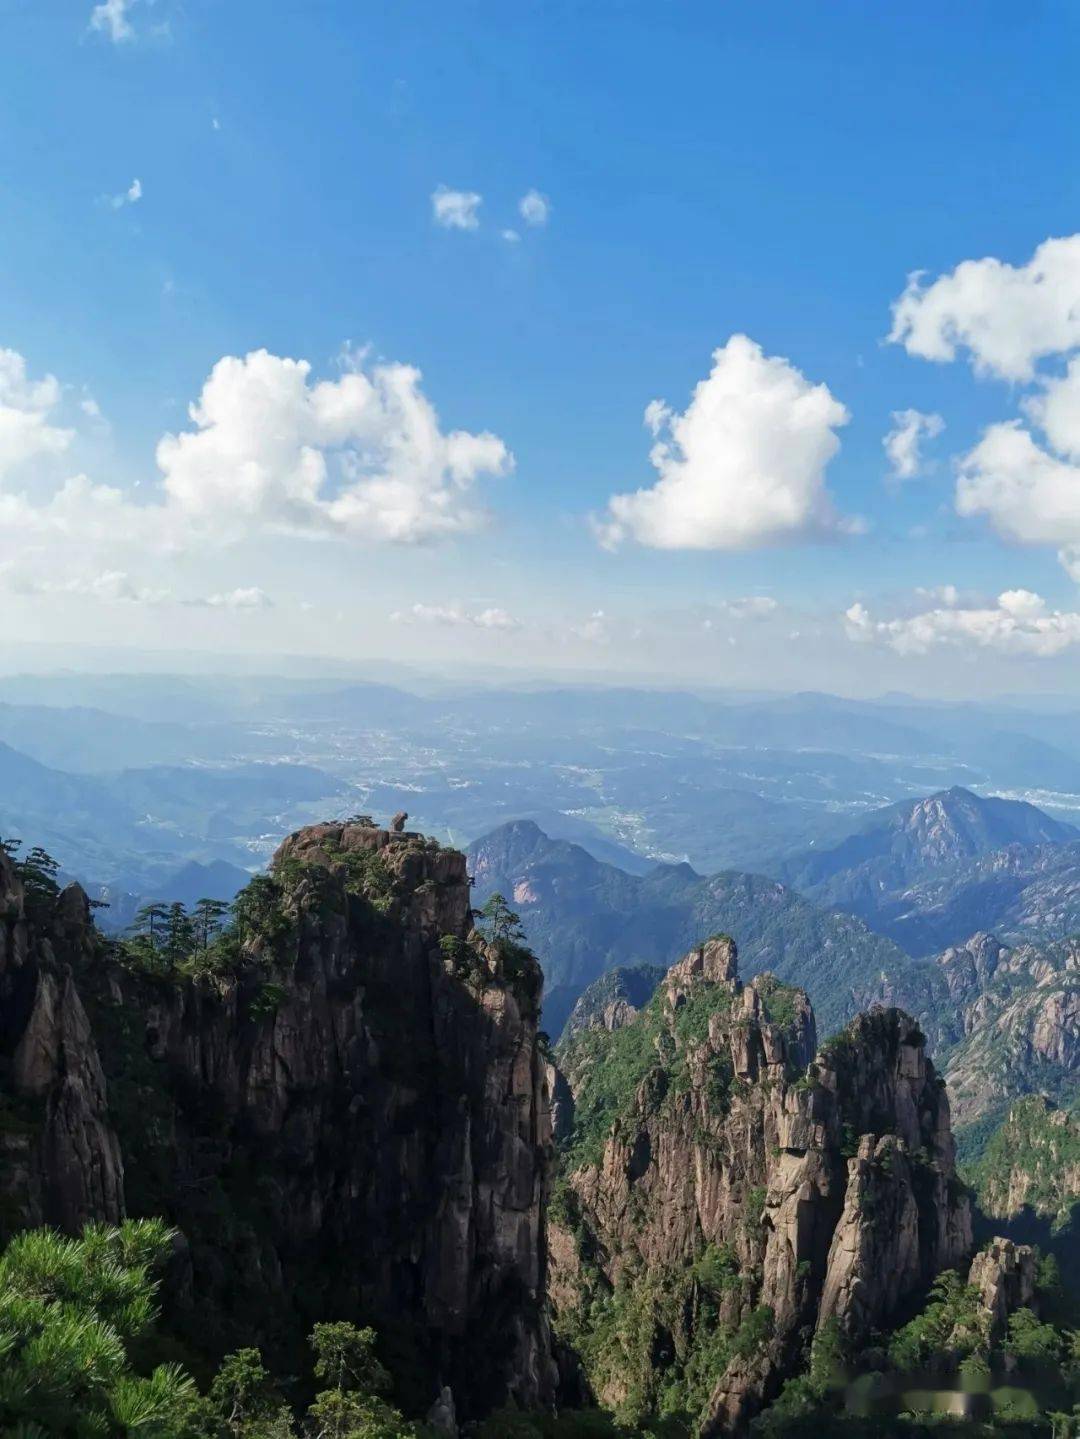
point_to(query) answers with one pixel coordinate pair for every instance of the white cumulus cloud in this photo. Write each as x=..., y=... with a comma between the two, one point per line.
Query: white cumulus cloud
x=534, y=208
x=1006, y=317
x=25, y=405
x=456, y=209
x=1019, y=623
x=361, y=458
x=1030, y=492
x=1055, y=408
x=743, y=466
x=363, y=455
x=903, y=443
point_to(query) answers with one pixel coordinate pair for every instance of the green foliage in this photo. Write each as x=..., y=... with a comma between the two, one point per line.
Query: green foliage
x=243, y=1399
x=1041, y=1144
x=37, y=870
x=366, y=876
x=612, y=1066
x=353, y=1406
x=499, y=923
x=717, y=1269
x=952, y=1326
x=463, y=960
x=266, y=1000
x=215, y=941
x=258, y=910
x=345, y=1357
x=1031, y=1341
x=70, y=1311
x=574, y=1424
x=778, y=1000
x=658, y=1045
x=339, y=1415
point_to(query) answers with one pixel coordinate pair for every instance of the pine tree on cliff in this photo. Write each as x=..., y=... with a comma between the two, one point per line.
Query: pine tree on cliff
x=149, y=921
x=502, y=924
x=209, y=918
x=38, y=873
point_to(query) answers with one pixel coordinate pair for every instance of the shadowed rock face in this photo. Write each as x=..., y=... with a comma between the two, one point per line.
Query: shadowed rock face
x=60, y=1160
x=827, y=1186
x=354, y=1124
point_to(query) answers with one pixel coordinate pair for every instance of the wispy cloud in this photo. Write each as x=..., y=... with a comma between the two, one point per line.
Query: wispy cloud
x=534, y=208
x=456, y=209
x=110, y=19
x=131, y=196
x=250, y=598
x=903, y=443
x=455, y=616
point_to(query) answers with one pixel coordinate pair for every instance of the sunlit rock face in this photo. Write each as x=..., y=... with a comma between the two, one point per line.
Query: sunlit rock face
x=756, y=1191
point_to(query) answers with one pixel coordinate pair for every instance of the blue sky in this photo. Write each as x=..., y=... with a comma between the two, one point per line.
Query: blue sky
x=774, y=170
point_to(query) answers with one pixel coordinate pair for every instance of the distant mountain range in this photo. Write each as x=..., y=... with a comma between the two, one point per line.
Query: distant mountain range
x=896, y=844
x=132, y=830
x=1002, y=1018
x=929, y=872
x=187, y=885
x=724, y=781
x=583, y=917
x=1018, y=892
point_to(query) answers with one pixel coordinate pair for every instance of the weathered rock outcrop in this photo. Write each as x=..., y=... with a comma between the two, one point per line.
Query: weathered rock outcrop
x=60, y=1160
x=744, y=1192
x=350, y=1118
x=1003, y=1020
x=1020, y=1020
x=1004, y=1273
x=615, y=998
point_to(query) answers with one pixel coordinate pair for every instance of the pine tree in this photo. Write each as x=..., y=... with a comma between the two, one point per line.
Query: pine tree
x=209, y=919
x=69, y=1310
x=503, y=925
x=150, y=921
x=38, y=871
x=179, y=934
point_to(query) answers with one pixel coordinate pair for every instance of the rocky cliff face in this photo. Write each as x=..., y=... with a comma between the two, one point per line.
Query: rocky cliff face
x=349, y=1119
x=1004, y=1274
x=1021, y=1031
x=615, y=998
x=726, y=1193
x=1031, y=1163
x=1004, y=1020
x=60, y=1161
